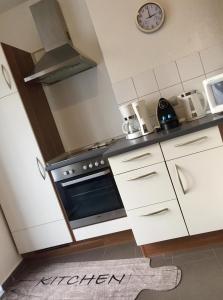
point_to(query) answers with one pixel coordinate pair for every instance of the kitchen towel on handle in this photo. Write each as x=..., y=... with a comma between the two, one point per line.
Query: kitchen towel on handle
x=109, y=279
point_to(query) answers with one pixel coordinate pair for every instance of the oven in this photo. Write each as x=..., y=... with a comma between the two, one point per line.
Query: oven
x=89, y=195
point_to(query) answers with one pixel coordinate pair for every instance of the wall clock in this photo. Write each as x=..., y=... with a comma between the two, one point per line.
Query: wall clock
x=150, y=17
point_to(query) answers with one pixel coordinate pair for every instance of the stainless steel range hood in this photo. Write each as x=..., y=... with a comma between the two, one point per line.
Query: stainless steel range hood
x=61, y=60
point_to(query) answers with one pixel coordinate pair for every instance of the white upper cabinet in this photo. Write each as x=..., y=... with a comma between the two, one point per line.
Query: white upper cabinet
x=197, y=180
x=27, y=195
x=7, y=83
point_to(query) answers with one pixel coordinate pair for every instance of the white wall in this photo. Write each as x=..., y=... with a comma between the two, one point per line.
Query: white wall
x=190, y=25
x=9, y=258
x=84, y=105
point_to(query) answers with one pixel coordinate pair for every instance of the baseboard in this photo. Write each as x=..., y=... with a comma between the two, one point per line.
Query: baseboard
x=11, y=274
x=182, y=244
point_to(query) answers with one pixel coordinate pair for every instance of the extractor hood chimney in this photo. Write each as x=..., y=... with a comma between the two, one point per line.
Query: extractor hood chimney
x=61, y=60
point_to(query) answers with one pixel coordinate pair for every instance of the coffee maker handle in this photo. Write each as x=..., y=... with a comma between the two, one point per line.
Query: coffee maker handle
x=125, y=128
x=204, y=102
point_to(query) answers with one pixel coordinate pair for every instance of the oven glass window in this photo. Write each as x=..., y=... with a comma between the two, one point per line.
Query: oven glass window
x=91, y=197
x=217, y=89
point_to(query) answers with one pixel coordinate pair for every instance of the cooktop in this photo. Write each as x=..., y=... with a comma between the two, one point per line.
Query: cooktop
x=80, y=154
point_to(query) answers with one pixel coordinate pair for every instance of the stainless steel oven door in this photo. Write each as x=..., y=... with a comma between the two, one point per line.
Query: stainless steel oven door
x=91, y=199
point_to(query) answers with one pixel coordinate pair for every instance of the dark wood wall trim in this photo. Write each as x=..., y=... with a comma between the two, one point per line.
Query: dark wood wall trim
x=35, y=103
x=184, y=243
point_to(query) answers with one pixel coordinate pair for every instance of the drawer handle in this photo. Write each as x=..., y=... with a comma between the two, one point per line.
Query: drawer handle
x=136, y=157
x=192, y=141
x=143, y=176
x=156, y=212
x=179, y=178
x=6, y=76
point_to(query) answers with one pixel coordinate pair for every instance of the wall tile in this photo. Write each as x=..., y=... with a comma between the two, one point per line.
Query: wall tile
x=212, y=58
x=190, y=66
x=124, y=91
x=145, y=83
x=167, y=75
x=172, y=91
x=214, y=73
x=194, y=84
x=151, y=102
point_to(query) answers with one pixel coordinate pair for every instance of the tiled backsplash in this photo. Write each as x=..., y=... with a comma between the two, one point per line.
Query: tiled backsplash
x=171, y=79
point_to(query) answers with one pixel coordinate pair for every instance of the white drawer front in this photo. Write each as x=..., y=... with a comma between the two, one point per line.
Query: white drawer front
x=43, y=236
x=145, y=186
x=136, y=159
x=157, y=222
x=192, y=143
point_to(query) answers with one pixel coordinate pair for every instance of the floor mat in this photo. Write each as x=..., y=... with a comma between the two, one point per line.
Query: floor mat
x=93, y=280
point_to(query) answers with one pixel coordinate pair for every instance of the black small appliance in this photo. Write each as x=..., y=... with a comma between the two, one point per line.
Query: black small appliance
x=166, y=115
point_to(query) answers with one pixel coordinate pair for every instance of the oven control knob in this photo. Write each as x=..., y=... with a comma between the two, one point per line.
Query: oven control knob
x=71, y=172
x=84, y=167
x=96, y=164
x=90, y=166
x=102, y=162
x=65, y=173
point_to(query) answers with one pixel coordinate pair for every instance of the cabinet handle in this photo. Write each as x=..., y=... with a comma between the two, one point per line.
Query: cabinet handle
x=180, y=181
x=136, y=157
x=156, y=212
x=143, y=176
x=6, y=76
x=41, y=168
x=192, y=141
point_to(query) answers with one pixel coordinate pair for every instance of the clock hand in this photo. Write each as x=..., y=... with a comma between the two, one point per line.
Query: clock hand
x=151, y=16
x=148, y=12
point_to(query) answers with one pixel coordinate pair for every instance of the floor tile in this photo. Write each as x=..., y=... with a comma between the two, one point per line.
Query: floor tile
x=218, y=250
x=192, y=256
x=201, y=280
x=122, y=251
x=94, y=254
x=162, y=260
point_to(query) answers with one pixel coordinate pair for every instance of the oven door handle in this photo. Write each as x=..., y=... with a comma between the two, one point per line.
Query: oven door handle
x=75, y=181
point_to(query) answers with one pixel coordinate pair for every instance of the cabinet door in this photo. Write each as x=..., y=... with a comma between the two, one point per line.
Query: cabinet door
x=7, y=84
x=198, y=182
x=27, y=195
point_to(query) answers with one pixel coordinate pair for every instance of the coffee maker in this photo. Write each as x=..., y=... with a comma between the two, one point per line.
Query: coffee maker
x=130, y=125
x=136, y=120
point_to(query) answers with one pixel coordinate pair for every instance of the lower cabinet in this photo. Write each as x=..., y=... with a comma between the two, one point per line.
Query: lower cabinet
x=150, y=201
x=41, y=237
x=28, y=199
x=157, y=222
x=198, y=182
x=177, y=197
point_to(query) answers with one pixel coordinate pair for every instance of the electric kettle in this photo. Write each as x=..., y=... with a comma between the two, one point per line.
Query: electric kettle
x=195, y=105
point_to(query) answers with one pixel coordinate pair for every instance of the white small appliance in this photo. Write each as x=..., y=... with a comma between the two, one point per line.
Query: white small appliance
x=141, y=112
x=214, y=91
x=130, y=126
x=195, y=105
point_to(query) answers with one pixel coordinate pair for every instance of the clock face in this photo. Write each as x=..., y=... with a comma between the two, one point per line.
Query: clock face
x=150, y=17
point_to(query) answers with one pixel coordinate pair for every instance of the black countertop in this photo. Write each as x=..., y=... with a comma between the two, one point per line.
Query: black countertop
x=123, y=145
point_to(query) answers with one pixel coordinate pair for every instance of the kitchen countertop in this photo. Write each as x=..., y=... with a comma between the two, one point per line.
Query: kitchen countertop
x=123, y=145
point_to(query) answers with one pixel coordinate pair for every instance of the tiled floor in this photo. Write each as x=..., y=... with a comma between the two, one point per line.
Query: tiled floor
x=202, y=270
